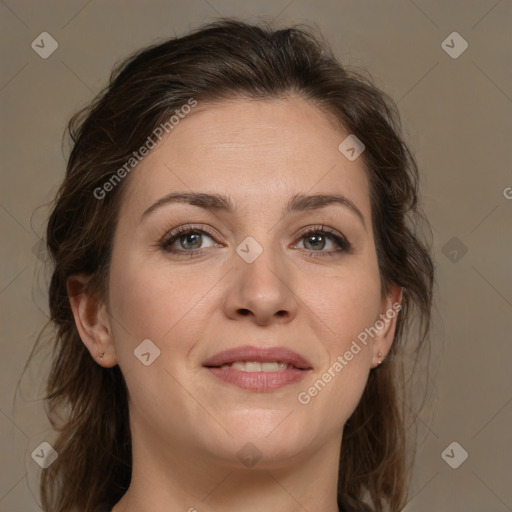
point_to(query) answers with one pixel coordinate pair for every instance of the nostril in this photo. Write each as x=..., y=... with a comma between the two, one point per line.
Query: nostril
x=244, y=312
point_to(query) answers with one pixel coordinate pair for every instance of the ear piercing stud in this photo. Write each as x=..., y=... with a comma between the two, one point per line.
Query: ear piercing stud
x=379, y=356
x=102, y=354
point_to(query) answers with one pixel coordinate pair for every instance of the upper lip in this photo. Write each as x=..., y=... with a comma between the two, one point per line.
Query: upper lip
x=260, y=355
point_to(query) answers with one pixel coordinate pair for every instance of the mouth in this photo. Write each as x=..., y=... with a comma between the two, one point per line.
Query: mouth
x=258, y=369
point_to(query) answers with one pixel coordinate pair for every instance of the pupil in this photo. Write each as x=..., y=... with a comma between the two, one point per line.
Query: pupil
x=193, y=238
x=316, y=239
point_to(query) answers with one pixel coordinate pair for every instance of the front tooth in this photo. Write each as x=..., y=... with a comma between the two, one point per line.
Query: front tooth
x=253, y=367
x=270, y=367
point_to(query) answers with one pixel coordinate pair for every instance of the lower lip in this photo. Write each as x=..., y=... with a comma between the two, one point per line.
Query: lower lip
x=259, y=381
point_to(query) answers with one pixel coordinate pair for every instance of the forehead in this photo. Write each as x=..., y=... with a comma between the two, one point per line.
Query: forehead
x=252, y=150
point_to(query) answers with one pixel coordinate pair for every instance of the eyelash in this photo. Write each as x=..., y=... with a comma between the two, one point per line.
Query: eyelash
x=169, y=238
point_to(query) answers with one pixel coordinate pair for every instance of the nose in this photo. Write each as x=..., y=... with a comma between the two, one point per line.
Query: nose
x=261, y=291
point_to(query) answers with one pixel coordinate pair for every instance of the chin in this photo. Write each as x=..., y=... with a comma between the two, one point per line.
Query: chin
x=271, y=435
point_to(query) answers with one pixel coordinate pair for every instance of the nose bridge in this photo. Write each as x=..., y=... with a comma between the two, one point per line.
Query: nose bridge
x=262, y=266
x=262, y=280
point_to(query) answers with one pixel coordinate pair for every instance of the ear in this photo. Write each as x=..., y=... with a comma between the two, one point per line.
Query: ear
x=92, y=320
x=386, y=324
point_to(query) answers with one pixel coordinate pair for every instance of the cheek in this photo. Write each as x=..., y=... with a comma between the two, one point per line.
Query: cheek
x=346, y=302
x=344, y=305
x=147, y=301
x=150, y=300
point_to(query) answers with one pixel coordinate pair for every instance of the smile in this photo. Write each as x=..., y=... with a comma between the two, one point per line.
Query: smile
x=258, y=369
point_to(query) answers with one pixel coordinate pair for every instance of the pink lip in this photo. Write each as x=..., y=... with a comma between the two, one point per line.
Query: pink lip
x=258, y=381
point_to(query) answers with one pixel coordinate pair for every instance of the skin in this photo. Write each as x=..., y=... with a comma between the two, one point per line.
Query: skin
x=188, y=426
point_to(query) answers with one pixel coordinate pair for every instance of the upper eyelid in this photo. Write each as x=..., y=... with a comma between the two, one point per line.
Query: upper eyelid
x=184, y=229
x=203, y=227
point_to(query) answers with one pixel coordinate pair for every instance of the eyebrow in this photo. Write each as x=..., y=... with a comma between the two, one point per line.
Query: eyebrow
x=218, y=202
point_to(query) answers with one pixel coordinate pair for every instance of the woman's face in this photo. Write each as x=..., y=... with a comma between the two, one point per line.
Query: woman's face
x=248, y=306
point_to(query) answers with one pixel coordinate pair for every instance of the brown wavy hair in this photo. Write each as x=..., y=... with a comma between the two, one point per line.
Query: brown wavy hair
x=86, y=403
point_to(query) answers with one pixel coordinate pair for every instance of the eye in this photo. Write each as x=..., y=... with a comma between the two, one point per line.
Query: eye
x=319, y=238
x=187, y=240
x=192, y=240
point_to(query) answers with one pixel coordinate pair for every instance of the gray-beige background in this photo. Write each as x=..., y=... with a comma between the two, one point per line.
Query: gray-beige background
x=456, y=105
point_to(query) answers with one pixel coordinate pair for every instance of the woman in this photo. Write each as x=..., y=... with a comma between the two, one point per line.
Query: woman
x=235, y=267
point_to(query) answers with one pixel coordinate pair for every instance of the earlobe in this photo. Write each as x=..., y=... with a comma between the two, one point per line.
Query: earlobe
x=91, y=320
x=386, y=324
